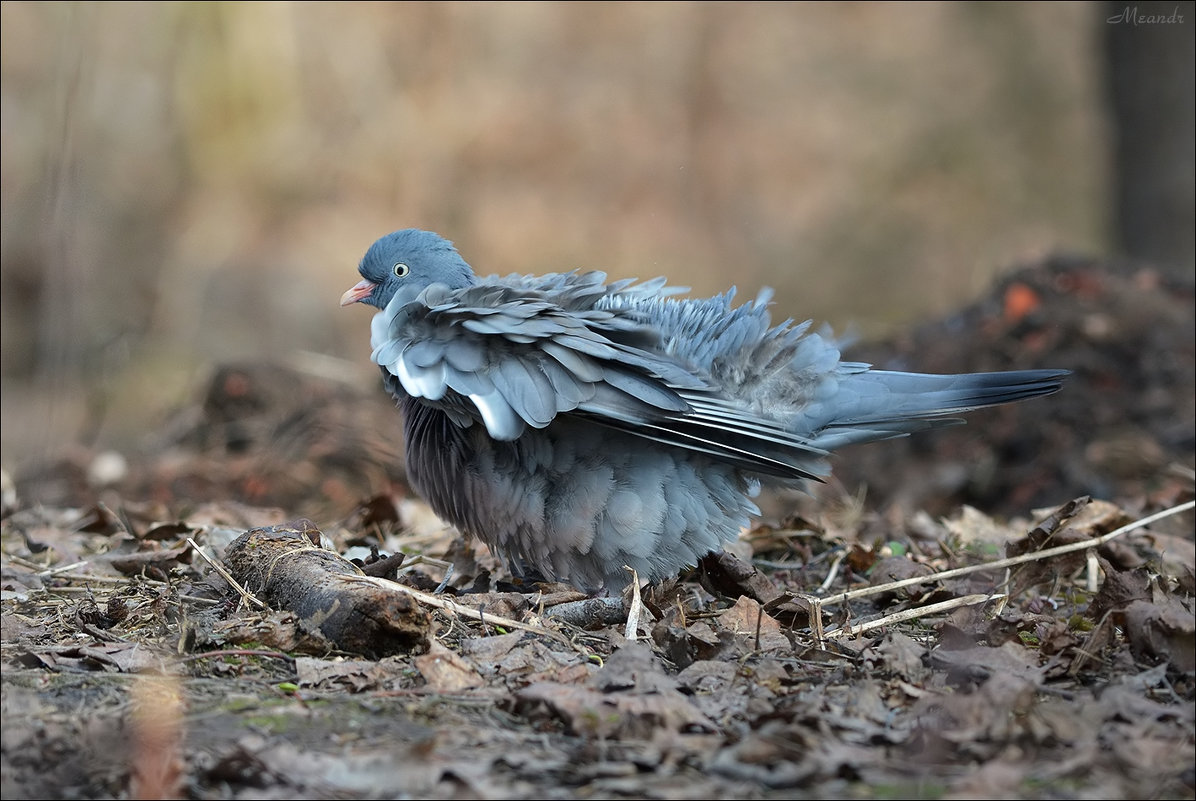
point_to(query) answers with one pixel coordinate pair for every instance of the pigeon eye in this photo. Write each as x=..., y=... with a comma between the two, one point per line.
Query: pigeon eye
x=401, y=270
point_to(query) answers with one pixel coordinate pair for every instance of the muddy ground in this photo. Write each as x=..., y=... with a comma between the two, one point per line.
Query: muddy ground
x=831, y=654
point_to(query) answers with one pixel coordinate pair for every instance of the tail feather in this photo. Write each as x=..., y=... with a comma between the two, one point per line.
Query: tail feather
x=879, y=404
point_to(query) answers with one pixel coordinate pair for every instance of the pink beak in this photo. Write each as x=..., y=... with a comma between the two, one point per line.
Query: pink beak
x=360, y=291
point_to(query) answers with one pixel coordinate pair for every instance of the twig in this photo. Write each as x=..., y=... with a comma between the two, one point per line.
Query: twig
x=444, y=582
x=441, y=602
x=237, y=652
x=1013, y=560
x=244, y=593
x=631, y=630
x=832, y=573
x=32, y=593
x=910, y=614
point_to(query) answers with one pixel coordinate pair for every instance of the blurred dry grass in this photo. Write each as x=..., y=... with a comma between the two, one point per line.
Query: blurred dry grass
x=185, y=184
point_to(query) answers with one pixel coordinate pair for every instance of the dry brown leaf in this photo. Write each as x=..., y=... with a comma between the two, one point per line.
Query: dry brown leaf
x=446, y=671
x=748, y=617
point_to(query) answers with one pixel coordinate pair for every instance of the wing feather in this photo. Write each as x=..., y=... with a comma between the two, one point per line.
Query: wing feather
x=520, y=355
x=516, y=352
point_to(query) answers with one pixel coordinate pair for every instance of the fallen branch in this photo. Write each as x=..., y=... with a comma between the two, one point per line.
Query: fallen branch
x=329, y=595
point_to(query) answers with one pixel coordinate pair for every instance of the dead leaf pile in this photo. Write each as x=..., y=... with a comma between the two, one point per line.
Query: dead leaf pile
x=963, y=664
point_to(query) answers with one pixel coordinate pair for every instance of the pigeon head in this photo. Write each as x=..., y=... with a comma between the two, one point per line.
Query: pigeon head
x=408, y=261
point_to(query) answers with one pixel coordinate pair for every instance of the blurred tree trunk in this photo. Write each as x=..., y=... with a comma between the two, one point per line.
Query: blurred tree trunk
x=1151, y=63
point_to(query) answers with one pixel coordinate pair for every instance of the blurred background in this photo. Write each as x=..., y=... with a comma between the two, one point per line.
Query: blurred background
x=190, y=184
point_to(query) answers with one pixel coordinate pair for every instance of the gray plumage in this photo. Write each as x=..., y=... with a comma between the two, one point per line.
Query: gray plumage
x=577, y=426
